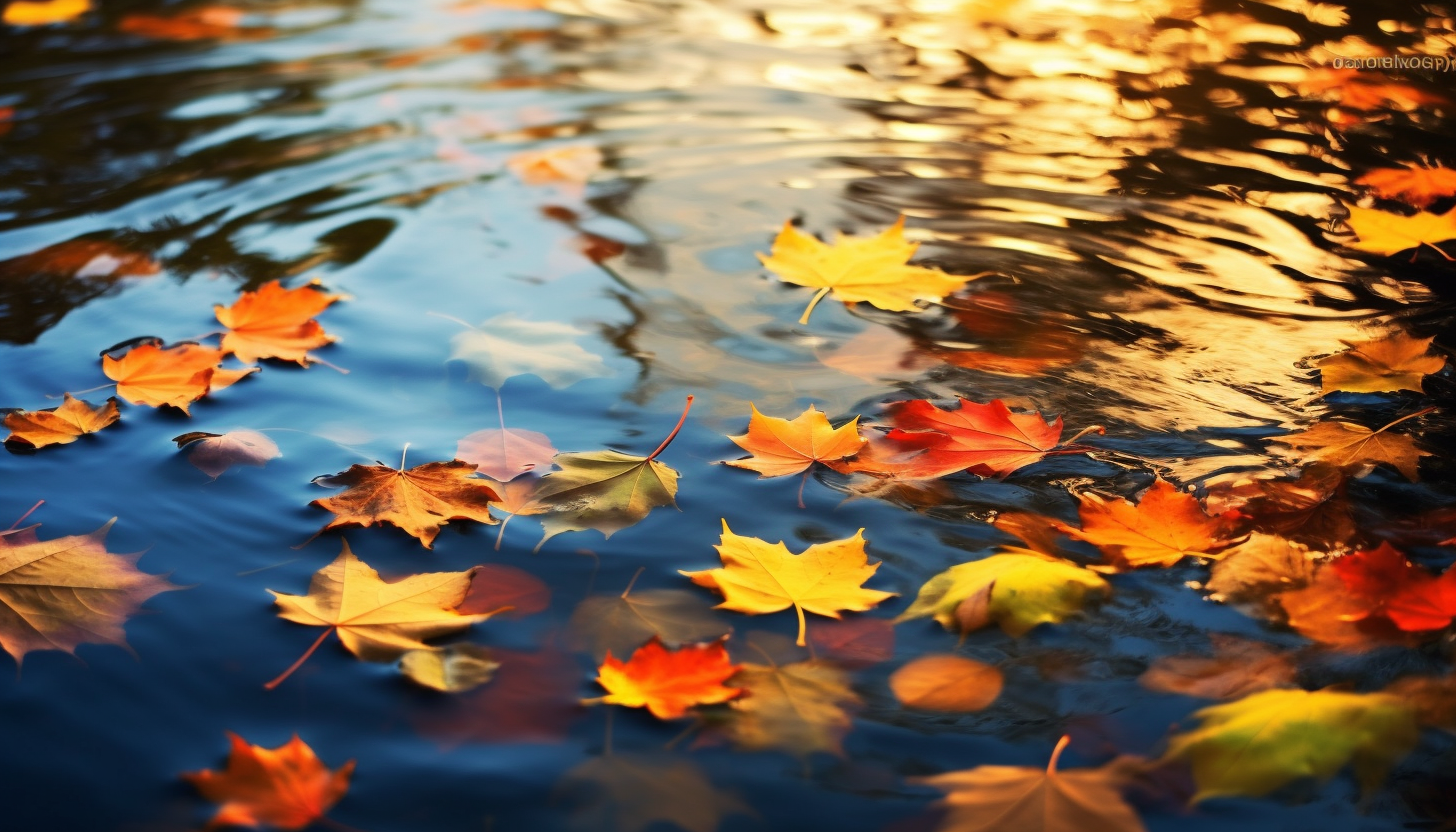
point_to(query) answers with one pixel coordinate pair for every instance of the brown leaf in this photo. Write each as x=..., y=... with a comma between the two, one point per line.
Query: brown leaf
x=419, y=501
x=532, y=697
x=1261, y=566
x=1238, y=667
x=1352, y=447
x=633, y=792
x=1163, y=527
x=946, y=683
x=1313, y=509
x=801, y=707
x=854, y=642
x=622, y=623
x=496, y=587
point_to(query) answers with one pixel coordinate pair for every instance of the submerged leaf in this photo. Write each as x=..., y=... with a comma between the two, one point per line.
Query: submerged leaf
x=1238, y=667
x=504, y=454
x=946, y=683
x=1381, y=232
x=284, y=788
x=452, y=669
x=631, y=793
x=60, y=425
x=622, y=623
x=801, y=707
x=213, y=454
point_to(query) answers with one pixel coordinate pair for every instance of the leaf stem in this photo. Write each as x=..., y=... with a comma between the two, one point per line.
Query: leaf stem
x=1062, y=744
x=671, y=436
x=301, y=659
x=28, y=512
x=800, y=610
x=803, y=480
x=451, y=318
x=402, y=455
x=818, y=296
x=633, y=582
x=500, y=531
x=1098, y=429
x=81, y=392
x=1406, y=417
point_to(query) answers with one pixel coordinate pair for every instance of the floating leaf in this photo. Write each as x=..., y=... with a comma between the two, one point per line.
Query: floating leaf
x=1381, y=232
x=800, y=708
x=946, y=683
x=177, y=376
x=871, y=269
x=377, y=620
x=44, y=12
x=1024, y=589
x=1163, y=527
x=1385, y=365
x=1261, y=742
x=504, y=454
x=758, y=577
x=452, y=669
x=58, y=594
x=505, y=591
x=1313, y=509
x=631, y=793
x=668, y=682
x=206, y=23
x=275, y=322
x=285, y=788
x=419, y=501
x=213, y=454
x=532, y=697
x=781, y=447
x=1414, y=186
x=622, y=623
x=1238, y=668
x=985, y=439
x=59, y=425
x=506, y=346
x=1262, y=565
x=1353, y=447
x=1028, y=799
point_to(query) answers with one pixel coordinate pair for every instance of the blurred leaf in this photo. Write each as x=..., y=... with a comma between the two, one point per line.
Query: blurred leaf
x=630, y=793
x=284, y=788
x=946, y=683
x=214, y=454
x=1414, y=186
x=506, y=346
x=800, y=708
x=504, y=454
x=668, y=682
x=452, y=669
x=622, y=623
x=1237, y=668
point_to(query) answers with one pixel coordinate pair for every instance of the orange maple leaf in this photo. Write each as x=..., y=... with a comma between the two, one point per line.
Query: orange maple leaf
x=668, y=682
x=419, y=500
x=1163, y=527
x=275, y=322
x=1381, y=232
x=986, y=439
x=1414, y=186
x=178, y=376
x=286, y=787
x=61, y=425
x=787, y=446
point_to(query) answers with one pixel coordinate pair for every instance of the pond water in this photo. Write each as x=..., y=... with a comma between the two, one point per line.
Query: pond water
x=1155, y=187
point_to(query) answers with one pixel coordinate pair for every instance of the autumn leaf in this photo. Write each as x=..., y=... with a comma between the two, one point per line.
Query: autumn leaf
x=275, y=322
x=946, y=683
x=61, y=593
x=1260, y=566
x=607, y=490
x=506, y=346
x=1257, y=744
x=1027, y=799
x=213, y=454
x=178, y=376
x=1312, y=509
x=572, y=164
x=1365, y=90
x=206, y=23
x=505, y=591
x=781, y=447
x=854, y=642
x=420, y=501
x=1022, y=590
x=1418, y=186
x=44, y=12
x=82, y=259
x=1163, y=527
x=1327, y=612
x=506, y=453
x=531, y=697
x=284, y=788
x=633, y=793
x=1237, y=668
x=1353, y=447
x=758, y=577
x=799, y=707
x=621, y=623
x=668, y=682
x=872, y=269
x=1382, y=582
x=376, y=620
x=1385, y=365
x=985, y=439
x=878, y=354
x=459, y=667
x=59, y=425
x=1381, y=232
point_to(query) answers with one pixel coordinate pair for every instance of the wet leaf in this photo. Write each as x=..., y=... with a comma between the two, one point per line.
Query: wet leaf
x=517, y=499
x=275, y=322
x=213, y=454
x=178, y=376
x=506, y=346
x=1025, y=589
x=1237, y=668
x=604, y=490
x=758, y=577
x=378, y=620
x=44, y=12
x=1313, y=509
x=1257, y=744
x=946, y=683
x=800, y=708
x=283, y=788
x=420, y=501
x=1029, y=799
x=1353, y=447
x=622, y=623
x=1326, y=611
x=1037, y=531
x=854, y=642
x=504, y=454
x=59, y=425
x=1163, y=527
x=985, y=439
x=505, y=590
x=1381, y=232
x=668, y=682
x=1382, y=582
x=1365, y=91
x=61, y=593
x=1414, y=186
x=1260, y=566
x=459, y=667
x=1385, y=365
x=872, y=269
x=573, y=164
x=631, y=793
x=781, y=447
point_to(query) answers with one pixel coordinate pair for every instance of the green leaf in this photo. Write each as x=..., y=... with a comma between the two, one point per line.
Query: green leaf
x=1029, y=589
x=604, y=490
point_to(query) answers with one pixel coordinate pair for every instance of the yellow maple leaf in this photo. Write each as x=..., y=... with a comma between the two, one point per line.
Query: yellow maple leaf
x=759, y=577
x=787, y=446
x=871, y=269
x=1385, y=365
x=1382, y=232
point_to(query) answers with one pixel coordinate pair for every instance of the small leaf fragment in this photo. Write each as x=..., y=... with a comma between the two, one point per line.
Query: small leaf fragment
x=452, y=669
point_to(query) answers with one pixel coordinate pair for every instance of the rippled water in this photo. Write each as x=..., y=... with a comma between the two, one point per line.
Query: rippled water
x=1146, y=182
